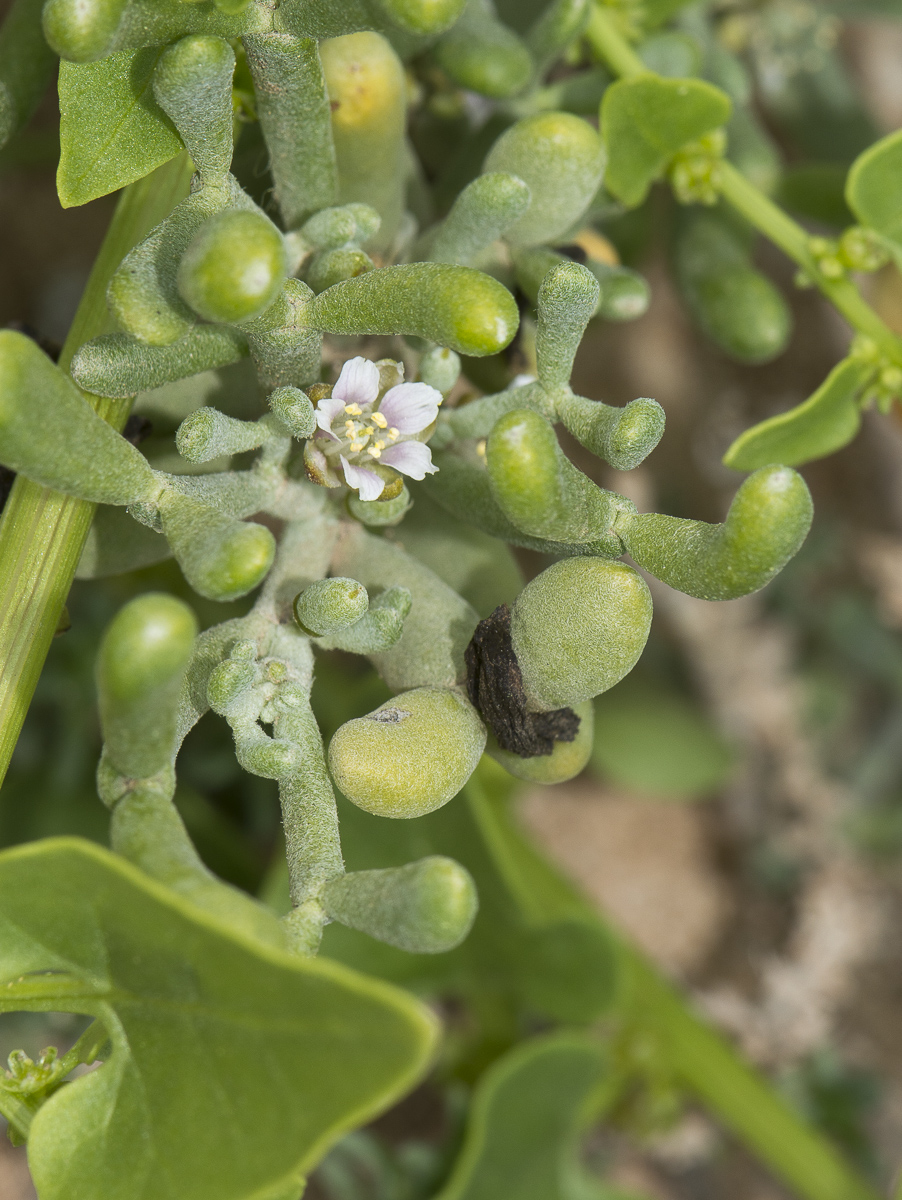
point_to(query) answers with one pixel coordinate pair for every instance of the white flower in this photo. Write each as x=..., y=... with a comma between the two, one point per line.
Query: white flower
x=356, y=430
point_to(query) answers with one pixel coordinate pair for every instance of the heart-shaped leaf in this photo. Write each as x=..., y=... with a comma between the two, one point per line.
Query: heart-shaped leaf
x=233, y=1065
x=112, y=131
x=646, y=120
x=525, y=1121
x=874, y=189
x=826, y=421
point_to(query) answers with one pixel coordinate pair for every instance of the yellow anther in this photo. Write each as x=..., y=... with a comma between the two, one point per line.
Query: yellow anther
x=356, y=446
x=354, y=409
x=378, y=419
x=480, y=448
x=375, y=451
x=379, y=445
x=393, y=433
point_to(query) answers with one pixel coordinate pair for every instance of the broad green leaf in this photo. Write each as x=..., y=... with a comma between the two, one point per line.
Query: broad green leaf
x=112, y=131
x=874, y=188
x=233, y=1065
x=524, y=1124
x=646, y=120
x=658, y=743
x=825, y=422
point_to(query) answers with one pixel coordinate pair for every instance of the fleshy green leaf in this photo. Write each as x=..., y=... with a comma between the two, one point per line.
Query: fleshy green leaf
x=50, y=434
x=874, y=188
x=646, y=120
x=112, y=131
x=525, y=1120
x=233, y=1065
x=826, y=421
x=768, y=520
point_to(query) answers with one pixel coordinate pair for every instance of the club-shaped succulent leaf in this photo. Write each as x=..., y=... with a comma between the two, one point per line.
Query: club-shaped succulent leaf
x=577, y=629
x=411, y=755
x=140, y=668
x=768, y=521
x=560, y=158
x=234, y=267
x=426, y=907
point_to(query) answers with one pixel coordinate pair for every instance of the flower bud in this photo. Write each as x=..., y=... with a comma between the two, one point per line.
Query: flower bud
x=140, y=668
x=425, y=907
x=410, y=756
x=561, y=159
x=234, y=267
x=329, y=605
x=440, y=368
x=577, y=629
x=565, y=761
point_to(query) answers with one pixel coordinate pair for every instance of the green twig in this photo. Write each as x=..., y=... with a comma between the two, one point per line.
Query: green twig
x=707, y=1066
x=760, y=211
x=42, y=532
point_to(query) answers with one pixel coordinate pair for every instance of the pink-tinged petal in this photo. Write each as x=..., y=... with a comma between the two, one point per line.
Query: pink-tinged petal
x=358, y=382
x=410, y=407
x=368, y=483
x=326, y=412
x=410, y=458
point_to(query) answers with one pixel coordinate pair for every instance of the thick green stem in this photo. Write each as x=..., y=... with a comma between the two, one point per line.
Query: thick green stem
x=755, y=206
x=42, y=532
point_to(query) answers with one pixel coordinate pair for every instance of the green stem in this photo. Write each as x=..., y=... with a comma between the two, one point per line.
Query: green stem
x=42, y=532
x=755, y=206
x=793, y=241
x=608, y=42
x=708, y=1066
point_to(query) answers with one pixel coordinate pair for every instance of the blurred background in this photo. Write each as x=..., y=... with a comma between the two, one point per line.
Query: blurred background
x=742, y=815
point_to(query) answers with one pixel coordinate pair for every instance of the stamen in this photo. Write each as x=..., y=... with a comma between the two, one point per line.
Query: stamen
x=354, y=409
x=379, y=445
x=378, y=419
x=375, y=451
x=393, y=433
x=356, y=447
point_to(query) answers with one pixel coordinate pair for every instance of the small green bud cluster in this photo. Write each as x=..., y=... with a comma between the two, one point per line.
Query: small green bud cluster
x=695, y=171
